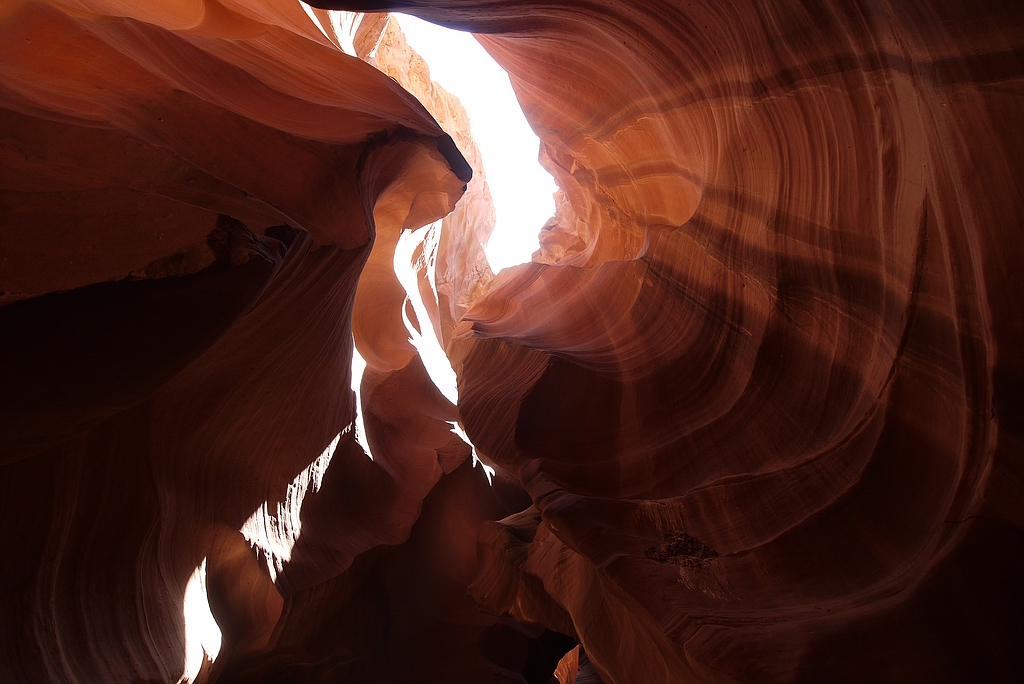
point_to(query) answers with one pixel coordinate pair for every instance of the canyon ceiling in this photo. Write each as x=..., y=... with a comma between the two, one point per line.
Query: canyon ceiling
x=755, y=410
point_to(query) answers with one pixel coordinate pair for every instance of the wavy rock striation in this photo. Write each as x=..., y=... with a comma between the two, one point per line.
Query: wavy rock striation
x=189, y=197
x=755, y=408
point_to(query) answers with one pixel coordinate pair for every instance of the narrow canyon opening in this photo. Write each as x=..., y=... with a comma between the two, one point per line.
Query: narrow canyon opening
x=510, y=198
x=520, y=188
x=506, y=152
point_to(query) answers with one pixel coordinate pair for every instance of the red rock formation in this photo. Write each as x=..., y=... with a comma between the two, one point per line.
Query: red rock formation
x=772, y=427
x=167, y=371
x=756, y=409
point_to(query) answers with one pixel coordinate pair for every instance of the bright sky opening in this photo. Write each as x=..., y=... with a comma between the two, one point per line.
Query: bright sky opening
x=521, y=189
x=202, y=633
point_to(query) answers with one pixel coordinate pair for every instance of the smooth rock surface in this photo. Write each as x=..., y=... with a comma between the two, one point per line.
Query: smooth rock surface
x=755, y=410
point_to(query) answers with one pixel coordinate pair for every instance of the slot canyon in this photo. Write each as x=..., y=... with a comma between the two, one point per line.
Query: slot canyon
x=753, y=412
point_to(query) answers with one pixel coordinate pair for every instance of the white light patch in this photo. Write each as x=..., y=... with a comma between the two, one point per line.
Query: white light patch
x=439, y=368
x=275, y=533
x=202, y=633
x=520, y=188
x=309, y=13
x=344, y=25
x=358, y=366
x=461, y=432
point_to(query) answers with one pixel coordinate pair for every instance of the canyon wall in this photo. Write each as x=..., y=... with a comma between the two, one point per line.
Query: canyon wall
x=755, y=410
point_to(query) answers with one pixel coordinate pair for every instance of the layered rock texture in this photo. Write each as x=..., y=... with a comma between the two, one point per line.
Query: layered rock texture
x=756, y=410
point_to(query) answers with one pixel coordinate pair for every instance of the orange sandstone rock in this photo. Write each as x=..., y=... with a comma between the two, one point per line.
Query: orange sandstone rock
x=755, y=408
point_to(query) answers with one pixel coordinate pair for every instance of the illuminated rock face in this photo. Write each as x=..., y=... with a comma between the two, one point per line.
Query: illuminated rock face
x=756, y=410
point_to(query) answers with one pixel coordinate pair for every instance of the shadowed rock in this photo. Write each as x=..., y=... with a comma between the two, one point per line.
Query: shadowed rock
x=755, y=410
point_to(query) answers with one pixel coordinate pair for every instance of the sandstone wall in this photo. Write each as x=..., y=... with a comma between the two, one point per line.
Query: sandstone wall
x=756, y=408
